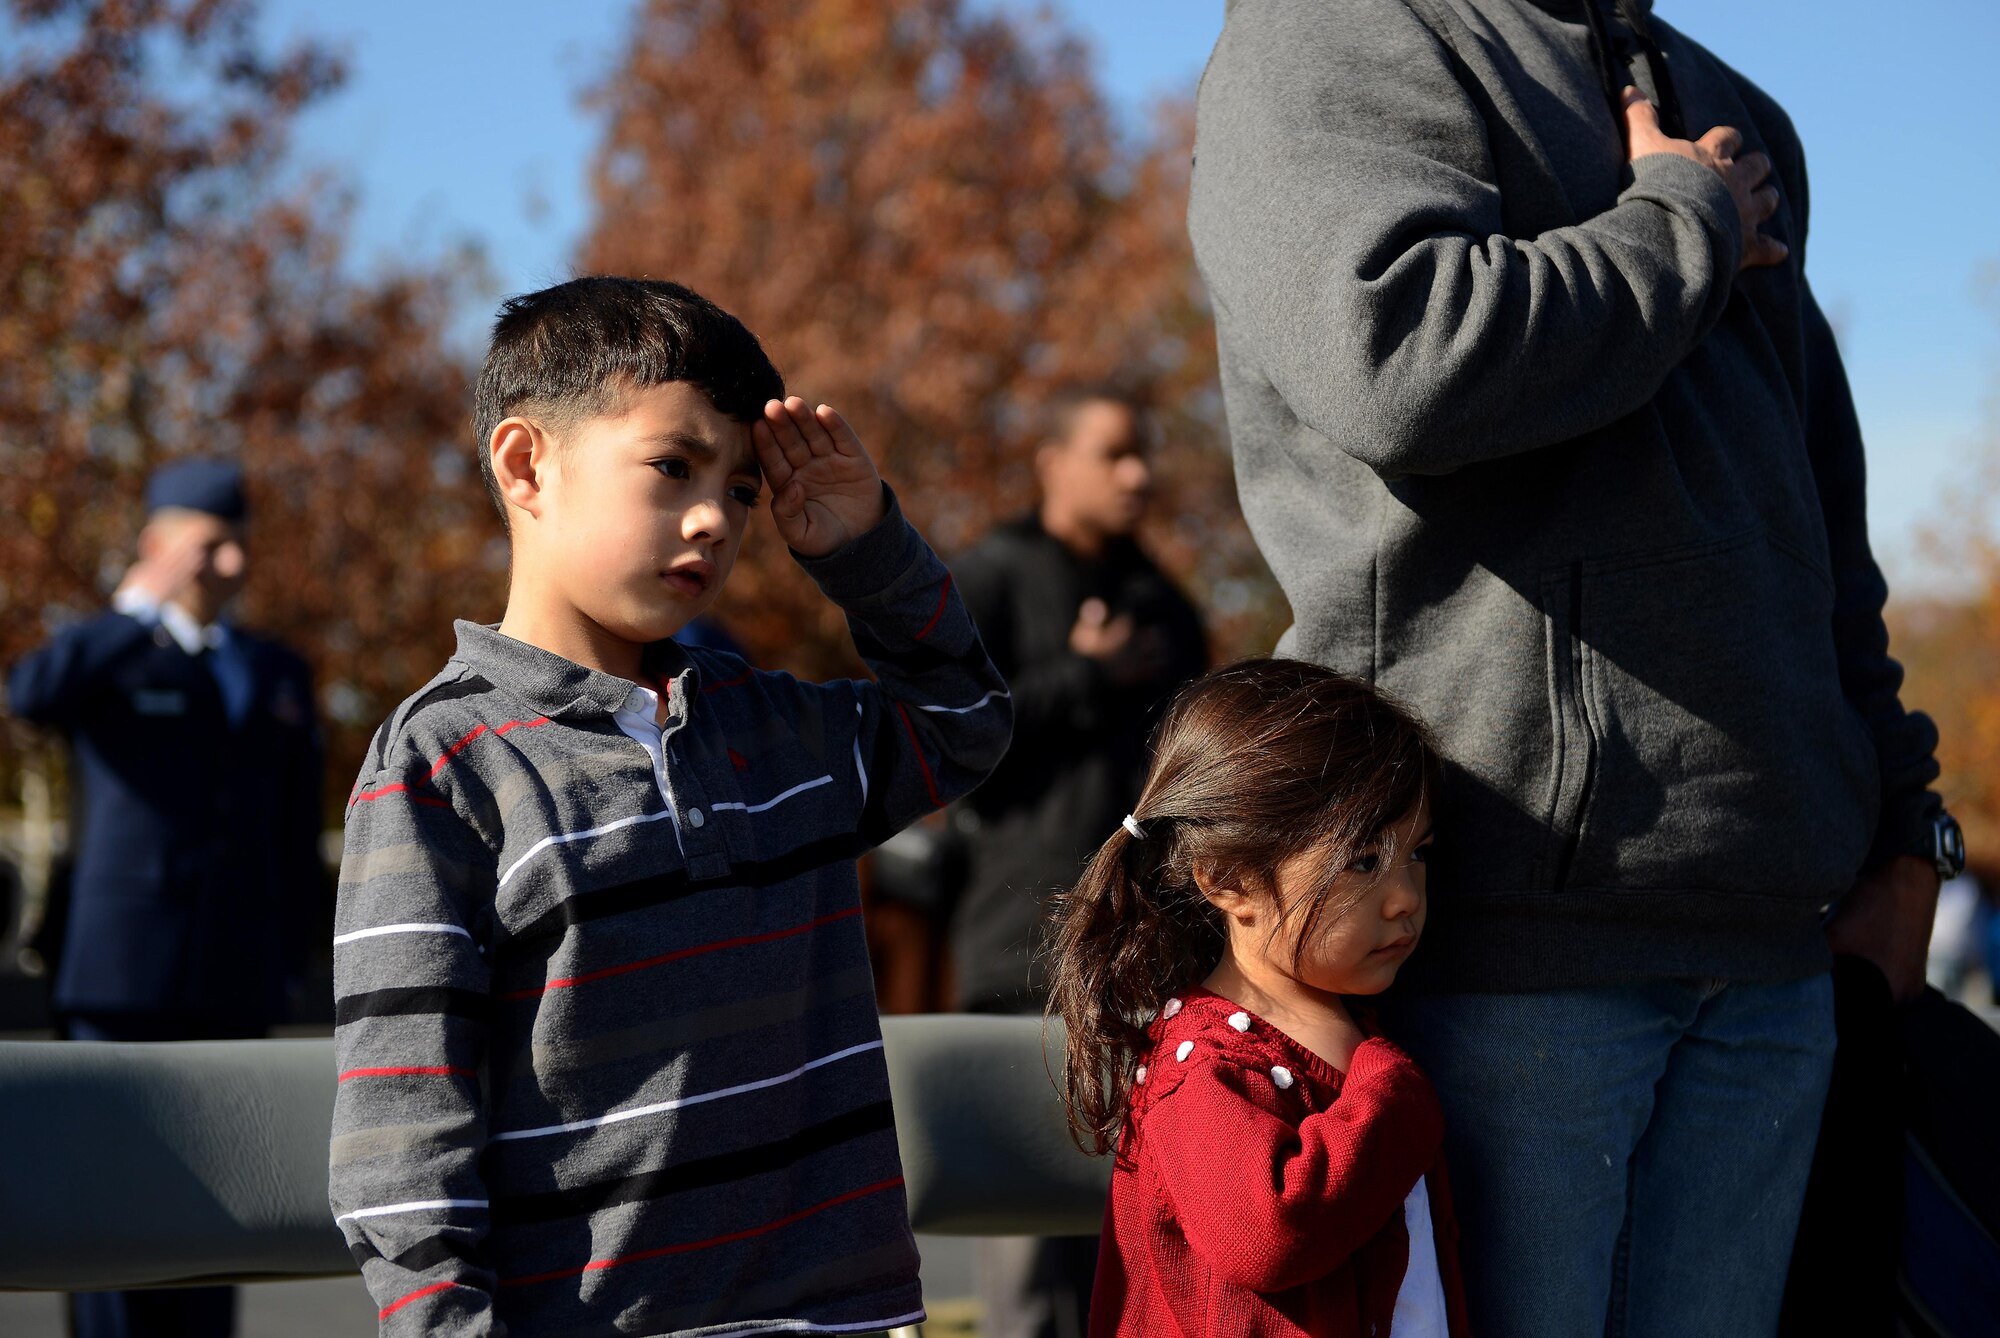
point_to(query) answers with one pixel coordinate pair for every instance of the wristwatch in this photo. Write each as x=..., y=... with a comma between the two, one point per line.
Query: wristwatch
x=1947, y=846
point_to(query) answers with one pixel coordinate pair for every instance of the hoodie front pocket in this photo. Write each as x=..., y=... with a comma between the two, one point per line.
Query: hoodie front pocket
x=1703, y=739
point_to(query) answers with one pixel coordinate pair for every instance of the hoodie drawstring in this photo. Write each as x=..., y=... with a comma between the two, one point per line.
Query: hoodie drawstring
x=1623, y=38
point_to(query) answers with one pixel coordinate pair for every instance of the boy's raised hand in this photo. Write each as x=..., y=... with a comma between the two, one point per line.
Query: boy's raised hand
x=825, y=491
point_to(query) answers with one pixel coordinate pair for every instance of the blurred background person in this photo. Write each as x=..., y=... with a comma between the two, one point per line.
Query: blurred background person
x=1957, y=962
x=195, y=838
x=709, y=634
x=1093, y=640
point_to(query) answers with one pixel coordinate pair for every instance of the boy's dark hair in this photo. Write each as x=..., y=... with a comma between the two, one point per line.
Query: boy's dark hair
x=569, y=353
x=1058, y=410
x=1253, y=765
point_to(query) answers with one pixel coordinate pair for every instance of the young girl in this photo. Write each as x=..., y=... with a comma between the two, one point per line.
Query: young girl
x=1278, y=1167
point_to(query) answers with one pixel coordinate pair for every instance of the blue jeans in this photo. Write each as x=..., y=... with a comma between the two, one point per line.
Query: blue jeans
x=1627, y=1162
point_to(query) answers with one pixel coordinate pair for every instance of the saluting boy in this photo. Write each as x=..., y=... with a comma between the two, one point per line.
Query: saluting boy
x=609, y=1054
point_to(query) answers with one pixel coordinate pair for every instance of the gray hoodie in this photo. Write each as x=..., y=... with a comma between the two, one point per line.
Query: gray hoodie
x=1524, y=450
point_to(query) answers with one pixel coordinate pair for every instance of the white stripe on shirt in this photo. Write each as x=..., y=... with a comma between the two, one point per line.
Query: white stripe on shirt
x=860, y=770
x=566, y=837
x=421, y=1205
x=967, y=710
x=358, y=934
x=805, y=1326
x=681, y=1102
x=775, y=801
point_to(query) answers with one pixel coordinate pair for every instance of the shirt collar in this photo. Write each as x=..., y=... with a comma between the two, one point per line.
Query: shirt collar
x=559, y=687
x=191, y=636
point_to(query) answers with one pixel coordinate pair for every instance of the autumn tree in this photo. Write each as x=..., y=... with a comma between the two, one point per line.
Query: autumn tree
x=926, y=211
x=1950, y=650
x=163, y=292
x=1949, y=642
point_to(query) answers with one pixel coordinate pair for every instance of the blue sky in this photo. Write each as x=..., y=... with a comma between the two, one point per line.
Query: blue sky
x=462, y=122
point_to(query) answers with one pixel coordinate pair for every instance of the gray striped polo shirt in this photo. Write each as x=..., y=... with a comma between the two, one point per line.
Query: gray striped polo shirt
x=609, y=1056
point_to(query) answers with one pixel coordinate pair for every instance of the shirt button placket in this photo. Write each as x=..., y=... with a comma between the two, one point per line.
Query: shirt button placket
x=699, y=833
x=701, y=840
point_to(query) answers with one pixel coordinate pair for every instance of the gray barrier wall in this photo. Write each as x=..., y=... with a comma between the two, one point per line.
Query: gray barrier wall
x=130, y=1165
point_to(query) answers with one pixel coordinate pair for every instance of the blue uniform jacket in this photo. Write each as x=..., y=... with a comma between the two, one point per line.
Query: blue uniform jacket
x=197, y=874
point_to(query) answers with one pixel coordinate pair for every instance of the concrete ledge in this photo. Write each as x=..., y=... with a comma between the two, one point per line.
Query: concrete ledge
x=205, y=1161
x=986, y=1150
x=134, y=1164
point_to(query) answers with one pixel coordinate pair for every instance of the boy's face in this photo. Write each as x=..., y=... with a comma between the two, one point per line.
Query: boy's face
x=641, y=522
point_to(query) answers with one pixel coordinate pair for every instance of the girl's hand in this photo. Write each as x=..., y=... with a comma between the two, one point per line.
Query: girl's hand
x=825, y=491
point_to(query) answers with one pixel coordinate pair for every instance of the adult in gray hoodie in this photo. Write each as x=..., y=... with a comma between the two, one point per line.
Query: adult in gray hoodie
x=1540, y=428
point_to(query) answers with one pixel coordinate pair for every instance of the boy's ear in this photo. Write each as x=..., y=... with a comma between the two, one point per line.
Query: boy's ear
x=521, y=453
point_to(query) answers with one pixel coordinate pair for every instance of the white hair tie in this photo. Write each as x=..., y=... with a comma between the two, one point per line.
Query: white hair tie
x=1131, y=824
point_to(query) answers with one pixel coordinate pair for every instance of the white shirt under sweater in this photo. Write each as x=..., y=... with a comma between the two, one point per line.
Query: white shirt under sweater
x=1420, y=1299
x=639, y=718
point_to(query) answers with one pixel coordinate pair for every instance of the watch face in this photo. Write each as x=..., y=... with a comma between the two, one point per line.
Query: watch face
x=1950, y=847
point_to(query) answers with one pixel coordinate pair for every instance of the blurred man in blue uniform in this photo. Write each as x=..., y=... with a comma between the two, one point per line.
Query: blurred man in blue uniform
x=196, y=824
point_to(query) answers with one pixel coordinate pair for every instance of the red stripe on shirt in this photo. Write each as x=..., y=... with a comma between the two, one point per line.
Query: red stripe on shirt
x=366, y=795
x=416, y=1295
x=399, y=788
x=399, y=1071
x=735, y=682
x=944, y=596
x=930, y=781
x=409, y=787
x=597, y=1265
x=743, y=942
x=477, y=730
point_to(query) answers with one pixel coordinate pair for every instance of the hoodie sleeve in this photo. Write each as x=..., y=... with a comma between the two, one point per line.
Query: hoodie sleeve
x=1347, y=219
x=1905, y=741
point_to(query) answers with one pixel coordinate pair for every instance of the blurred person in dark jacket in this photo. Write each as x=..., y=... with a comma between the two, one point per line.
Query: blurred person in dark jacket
x=1093, y=640
x=195, y=831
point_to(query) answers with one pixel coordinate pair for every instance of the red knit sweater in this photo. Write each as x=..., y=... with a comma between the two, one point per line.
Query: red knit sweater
x=1259, y=1191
